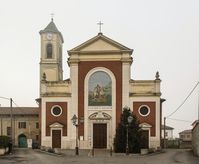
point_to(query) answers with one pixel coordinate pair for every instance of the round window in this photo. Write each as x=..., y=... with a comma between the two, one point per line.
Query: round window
x=144, y=110
x=56, y=110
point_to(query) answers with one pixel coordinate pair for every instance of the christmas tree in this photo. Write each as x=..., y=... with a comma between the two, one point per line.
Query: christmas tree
x=134, y=133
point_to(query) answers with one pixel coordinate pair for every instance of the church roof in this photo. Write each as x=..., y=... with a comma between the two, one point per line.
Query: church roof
x=51, y=27
x=106, y=39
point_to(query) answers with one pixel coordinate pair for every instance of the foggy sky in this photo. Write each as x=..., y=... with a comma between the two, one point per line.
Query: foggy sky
x=163, y=33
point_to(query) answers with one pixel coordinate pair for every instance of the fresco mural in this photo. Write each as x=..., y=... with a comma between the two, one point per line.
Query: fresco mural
x=100, y=89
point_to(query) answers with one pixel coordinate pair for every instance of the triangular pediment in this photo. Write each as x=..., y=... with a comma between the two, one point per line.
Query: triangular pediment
x=100, y=43
x=145, y=125
x=56, y=125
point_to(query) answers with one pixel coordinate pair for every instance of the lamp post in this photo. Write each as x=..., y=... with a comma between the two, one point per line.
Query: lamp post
x=75, y=123
x=11, y=121
x=11, y=116
x=12, y=135
x=129, y=119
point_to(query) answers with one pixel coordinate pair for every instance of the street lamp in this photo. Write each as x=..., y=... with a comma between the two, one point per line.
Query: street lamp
x=129, y=119
x=75, y=123
x=12, y=136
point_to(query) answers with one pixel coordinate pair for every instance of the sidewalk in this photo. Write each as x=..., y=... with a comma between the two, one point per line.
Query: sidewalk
x=86, y=152
x=102, y=153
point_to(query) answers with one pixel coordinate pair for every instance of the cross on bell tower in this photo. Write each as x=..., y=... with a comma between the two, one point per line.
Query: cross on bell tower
x=52, y=15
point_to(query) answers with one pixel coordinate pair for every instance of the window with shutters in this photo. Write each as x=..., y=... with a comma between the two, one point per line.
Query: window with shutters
x=22, y=125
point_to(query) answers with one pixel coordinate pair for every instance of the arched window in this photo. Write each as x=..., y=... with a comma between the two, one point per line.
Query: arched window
x=49, y=51
x=100, y=89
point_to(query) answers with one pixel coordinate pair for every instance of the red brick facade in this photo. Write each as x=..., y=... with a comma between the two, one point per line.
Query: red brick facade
x=62, y=119
x=150, y=119
x=83, y=68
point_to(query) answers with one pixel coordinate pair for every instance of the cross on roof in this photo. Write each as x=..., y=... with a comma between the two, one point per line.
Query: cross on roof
x=52, y=15
x=100, y=26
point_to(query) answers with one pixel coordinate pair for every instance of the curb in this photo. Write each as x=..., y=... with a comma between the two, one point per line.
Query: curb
x=49, y=153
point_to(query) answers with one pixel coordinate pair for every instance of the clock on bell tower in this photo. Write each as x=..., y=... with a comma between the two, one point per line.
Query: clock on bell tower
x=51, y=53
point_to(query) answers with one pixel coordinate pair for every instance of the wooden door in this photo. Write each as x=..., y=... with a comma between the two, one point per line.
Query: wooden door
x=145, y=139
x=99, y=135
x=56, y=138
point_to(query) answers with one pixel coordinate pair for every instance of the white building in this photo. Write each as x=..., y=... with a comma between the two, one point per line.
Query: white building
x=168, y=132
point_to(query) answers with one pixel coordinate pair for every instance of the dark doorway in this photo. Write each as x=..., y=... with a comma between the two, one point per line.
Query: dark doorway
x=22, y=141
x=99, y=135
x=56, y=138
x=145, y=139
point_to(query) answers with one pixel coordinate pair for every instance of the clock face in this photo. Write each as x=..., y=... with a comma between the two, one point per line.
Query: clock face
x=49, y=36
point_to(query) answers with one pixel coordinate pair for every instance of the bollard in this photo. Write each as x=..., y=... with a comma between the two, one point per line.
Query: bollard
x=93, y=152
x=111, y=151
x=76, y=150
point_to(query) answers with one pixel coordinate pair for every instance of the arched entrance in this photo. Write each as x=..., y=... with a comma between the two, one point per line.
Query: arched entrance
x=22, y=141
x=100, y=123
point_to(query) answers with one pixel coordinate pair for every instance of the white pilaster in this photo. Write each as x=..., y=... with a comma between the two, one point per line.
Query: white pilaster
x=125, y=83
x=43, y=122
x=74, y=95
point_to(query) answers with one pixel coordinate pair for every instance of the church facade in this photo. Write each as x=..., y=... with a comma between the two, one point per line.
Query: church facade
x=99, y=87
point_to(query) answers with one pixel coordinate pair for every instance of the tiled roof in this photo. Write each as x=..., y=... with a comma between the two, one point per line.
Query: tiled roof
x=167, y=127
x=19, y=110
x=186, y=131
x=51, y=27
x=195, y=122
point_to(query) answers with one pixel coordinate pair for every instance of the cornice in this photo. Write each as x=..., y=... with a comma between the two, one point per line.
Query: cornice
x=144, y=94
x=56, y=94
x=92, y=52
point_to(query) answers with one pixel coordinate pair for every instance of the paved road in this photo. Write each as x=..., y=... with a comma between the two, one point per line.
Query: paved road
x=29, y=156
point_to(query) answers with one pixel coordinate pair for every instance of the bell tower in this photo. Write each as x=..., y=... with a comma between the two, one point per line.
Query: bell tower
x=51, y=53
